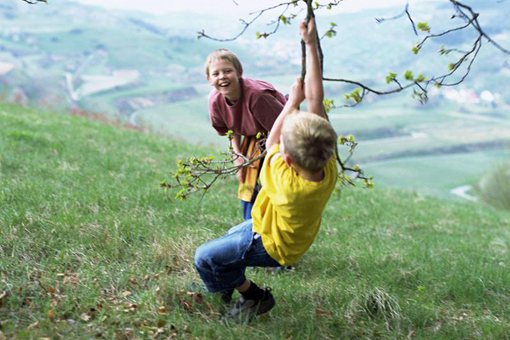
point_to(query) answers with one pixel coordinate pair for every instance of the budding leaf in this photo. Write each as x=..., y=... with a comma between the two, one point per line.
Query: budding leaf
x=390, y=77
x=356, y=96
x=409, y=75
x=369, y=183
x=330, y=33
x=259, y=35
x=423, y=26
x=421, y=78
x=328, y=104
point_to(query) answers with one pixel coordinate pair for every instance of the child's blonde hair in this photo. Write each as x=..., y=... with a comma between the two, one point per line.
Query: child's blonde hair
x=309, y=140
x=223, y=54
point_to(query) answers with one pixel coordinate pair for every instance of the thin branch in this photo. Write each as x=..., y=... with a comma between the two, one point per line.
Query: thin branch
x=471, y=18
x=247, y=24
x=33, y=2
x=476, y=24
x=398, y=16
x=309, y=15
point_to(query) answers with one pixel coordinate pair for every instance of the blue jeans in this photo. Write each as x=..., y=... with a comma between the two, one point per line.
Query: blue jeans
x=247, y=206
x=222, y=262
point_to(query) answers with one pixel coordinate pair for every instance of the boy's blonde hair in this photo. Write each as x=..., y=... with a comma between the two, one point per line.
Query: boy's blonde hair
x=309, y=140
x=223, y=54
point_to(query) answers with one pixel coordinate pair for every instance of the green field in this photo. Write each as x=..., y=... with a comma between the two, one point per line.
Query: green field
x=92, y=247
x=435, y=175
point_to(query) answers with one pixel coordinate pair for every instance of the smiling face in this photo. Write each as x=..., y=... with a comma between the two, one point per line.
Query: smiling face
x=225, y=78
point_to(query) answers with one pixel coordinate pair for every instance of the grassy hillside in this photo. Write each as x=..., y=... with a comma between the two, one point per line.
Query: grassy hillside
x=92, y=247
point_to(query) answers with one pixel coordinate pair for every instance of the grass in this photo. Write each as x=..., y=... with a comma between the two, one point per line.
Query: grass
x=92, y=247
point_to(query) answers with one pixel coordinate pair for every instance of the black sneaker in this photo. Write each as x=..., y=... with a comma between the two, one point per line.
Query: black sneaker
x=226, y=296
x=245, y=310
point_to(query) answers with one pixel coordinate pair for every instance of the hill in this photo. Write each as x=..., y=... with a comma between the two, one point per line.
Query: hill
x=92, y=247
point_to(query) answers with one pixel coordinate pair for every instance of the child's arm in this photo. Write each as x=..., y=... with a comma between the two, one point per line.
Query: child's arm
x=295, y=98
x=314, y=91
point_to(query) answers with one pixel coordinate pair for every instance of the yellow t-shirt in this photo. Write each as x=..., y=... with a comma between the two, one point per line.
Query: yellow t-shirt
x=288, y=209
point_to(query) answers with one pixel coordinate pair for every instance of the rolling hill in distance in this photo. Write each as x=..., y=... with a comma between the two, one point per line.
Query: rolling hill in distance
x=148, y=70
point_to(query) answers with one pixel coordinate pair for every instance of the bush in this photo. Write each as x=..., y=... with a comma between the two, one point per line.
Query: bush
x=494, y=188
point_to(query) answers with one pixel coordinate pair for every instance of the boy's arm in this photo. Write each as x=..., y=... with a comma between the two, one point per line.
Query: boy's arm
x=314, y=91
x=295, y=98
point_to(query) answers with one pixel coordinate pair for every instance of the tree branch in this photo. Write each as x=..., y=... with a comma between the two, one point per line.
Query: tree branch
x=247, y=24
x=33, y=2
x=191, y=174
x=406, y=13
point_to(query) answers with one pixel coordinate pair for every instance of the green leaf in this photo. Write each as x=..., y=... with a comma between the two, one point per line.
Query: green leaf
x=390, y=77
x=330, y=33
x=259, y=35
x=328, y=104
x=416, y=49
x=421, y=78
x=181, y=194
x=356, y=96
x=423, y=26
x=408, y=75
x=369, y=184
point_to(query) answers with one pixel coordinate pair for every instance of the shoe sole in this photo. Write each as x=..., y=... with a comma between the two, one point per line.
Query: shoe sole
x=265, y=309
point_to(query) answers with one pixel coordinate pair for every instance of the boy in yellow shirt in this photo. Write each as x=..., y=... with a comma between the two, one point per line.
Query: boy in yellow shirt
x=298, y=176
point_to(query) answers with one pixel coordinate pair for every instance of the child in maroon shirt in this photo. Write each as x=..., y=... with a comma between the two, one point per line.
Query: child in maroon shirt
x=246, y=107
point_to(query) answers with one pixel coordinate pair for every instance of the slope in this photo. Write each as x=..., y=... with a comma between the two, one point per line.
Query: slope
x=92, y=247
